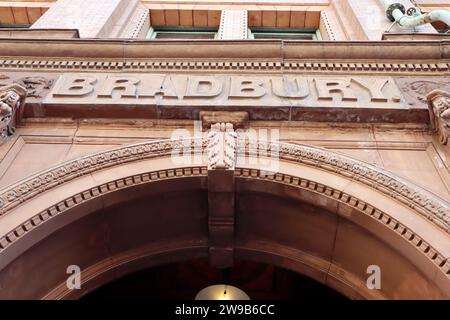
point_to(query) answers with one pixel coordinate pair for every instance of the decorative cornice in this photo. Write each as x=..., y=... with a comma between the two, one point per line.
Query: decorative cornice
x=439, y=104
x=233, y=50
x=426, y=204
x=140, y=65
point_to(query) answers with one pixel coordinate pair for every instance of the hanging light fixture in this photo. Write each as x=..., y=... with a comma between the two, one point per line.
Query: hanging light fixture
x=222, y=291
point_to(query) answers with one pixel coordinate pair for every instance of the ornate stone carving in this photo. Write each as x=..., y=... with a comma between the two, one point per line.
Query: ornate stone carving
x=35, y=85
x=417, y=91
x=222, y=146
x=12, y=98
x=439, y=104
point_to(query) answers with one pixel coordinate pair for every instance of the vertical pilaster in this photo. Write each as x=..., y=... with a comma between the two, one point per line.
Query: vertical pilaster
x=233, y=25
x=137, y=27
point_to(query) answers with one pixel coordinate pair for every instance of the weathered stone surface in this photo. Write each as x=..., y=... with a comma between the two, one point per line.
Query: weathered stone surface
x=233, y=25
x=97, y=19
x=12, y=100
x=439, y=102
x=289, y=97
x=416, y=89
x=357, y=133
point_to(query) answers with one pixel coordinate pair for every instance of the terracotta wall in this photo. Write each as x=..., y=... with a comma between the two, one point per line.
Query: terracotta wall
x=411, y=152
x=337, y=19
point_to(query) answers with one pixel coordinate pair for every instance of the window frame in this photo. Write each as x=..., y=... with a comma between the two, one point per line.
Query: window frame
x=312, y=32
x=153, y=32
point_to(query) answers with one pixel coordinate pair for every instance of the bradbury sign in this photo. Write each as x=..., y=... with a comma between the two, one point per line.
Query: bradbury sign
x=226, y=90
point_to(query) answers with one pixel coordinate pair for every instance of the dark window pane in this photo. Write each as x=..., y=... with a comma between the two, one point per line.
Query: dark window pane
x=14, y=26
x=284, y=36
x=184, y=35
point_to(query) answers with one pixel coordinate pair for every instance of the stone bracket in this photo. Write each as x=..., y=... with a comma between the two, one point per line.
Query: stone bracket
x=239, y=119
x=439, y=107
x=12, y=100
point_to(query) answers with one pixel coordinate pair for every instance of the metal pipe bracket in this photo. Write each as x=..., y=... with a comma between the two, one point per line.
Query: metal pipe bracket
x=390, y=10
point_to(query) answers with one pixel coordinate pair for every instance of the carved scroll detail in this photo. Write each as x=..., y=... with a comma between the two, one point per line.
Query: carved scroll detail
x=12, y=98
x=439, y=104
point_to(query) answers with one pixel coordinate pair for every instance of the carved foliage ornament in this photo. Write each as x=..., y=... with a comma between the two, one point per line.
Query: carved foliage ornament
x=439, y=104
x=222, y=146
x=12, y=98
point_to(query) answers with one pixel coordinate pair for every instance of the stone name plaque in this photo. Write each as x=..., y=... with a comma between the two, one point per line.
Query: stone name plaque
x=226, y=90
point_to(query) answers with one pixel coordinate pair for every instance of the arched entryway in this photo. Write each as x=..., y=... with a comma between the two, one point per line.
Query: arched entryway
x=321, y=215
x=183, y=281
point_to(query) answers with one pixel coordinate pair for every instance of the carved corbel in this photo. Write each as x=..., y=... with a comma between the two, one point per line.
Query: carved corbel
x=12, y=100
x=222, y=141
x=439, y=106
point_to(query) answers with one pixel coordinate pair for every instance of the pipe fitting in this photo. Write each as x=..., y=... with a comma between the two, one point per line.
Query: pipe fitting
x=391, y=8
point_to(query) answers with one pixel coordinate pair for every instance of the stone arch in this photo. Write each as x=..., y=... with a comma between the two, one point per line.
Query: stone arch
x=408, y=226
